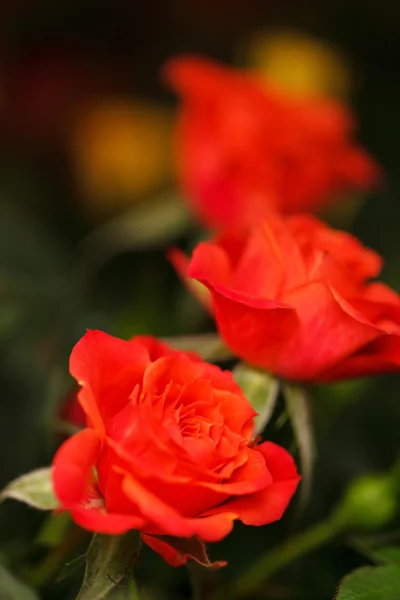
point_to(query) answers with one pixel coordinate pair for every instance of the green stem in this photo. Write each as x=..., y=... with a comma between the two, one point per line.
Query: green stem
x=266, y=566
x=195, y=581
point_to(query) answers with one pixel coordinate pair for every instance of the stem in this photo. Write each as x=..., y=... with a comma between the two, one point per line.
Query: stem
x=54, y=561
x=195, y=581
x=250, y=580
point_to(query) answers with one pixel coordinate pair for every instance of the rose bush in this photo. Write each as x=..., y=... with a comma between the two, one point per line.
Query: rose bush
x=168, y=448
x=292, y=296
x=243, y=146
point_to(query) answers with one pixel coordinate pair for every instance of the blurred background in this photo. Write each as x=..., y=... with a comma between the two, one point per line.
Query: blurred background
x=89, y=202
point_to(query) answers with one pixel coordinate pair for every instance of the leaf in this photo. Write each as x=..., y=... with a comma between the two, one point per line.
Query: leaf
x=371, y=583
x=12, y=589
x=34, y=488
x=261, y=390
x=297, y=405
x=388, y=554
x=208, y=345
x=146, y=225
x=108, y=561
x=54, y=529
x=380, y=554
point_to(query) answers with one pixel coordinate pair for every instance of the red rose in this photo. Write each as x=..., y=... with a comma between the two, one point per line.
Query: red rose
x=243, y=146
x=169, y=448
x=292, y=296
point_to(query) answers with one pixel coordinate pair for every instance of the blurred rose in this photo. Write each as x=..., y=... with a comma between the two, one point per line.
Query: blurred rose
x=243, y=147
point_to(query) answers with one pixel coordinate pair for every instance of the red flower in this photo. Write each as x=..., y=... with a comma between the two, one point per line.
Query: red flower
x=292, y=296
x=243, y=146
x=169, y=448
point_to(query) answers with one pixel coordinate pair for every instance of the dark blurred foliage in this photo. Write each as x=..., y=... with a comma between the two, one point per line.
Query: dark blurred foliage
x=62, y=269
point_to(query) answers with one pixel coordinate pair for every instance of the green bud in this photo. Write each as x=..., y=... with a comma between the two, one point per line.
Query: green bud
x=369, y=503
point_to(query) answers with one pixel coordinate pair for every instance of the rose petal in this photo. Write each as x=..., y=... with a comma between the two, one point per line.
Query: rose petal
x=180, y=262
x=379, y=357
x=110, y=368
x=254, y=329
x=329, y=329
x=269, y=504
x=99, y=521
x=167, y=521
x=177, y=551
x=73, y=475
x=74, y=485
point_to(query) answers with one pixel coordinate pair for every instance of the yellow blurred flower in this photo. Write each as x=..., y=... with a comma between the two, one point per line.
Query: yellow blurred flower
x=301, y=64
x=121, y=152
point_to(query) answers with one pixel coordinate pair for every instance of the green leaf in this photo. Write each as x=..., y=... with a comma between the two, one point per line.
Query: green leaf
x=54, y=529
x=146, y=225
x=108, y=561
x=261, y=390
x=297, y=405
x=12, y=589
x=371, y=583
x=34, y=488
x=378, y=554
x=208, y=345
x=388, y=554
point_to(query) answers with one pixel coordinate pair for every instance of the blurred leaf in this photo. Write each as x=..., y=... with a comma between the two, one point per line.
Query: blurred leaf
x=297, y=405
x=147, y=225
x=34, y=489
x=371, y=583
x=261, y=390
x=12, y=589
x=389, y=554
x=108, y=561
x=377, y=554
x=54, y=529
x=208, y=345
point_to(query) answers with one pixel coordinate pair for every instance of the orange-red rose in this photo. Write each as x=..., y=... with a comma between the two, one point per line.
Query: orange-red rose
x=168, y=448
x=292, y=296
x=243, y=146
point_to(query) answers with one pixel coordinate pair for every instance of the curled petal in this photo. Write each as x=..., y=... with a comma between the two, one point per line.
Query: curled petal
x=110, y=368
x=269, y=504
x=180, y=262
x=73, y=474
x=100, y=521
x=165, y=520
x=177, y=551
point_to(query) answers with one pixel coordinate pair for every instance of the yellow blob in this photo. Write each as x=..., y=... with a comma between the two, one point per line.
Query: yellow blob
x=121, y=152
x=298, y=63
